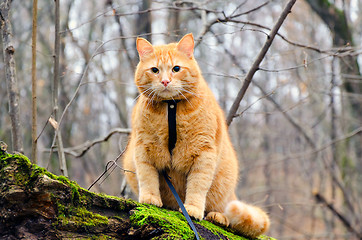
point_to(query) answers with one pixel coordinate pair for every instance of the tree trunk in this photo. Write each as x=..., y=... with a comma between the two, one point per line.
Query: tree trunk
x=144, y=20
x=34, y=84
x=10, y=71
x=58, y=132
x=337, y=23
x=173, y=26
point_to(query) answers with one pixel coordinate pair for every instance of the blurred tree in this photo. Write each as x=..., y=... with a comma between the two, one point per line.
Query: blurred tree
x=10, y=75
x=337, y=21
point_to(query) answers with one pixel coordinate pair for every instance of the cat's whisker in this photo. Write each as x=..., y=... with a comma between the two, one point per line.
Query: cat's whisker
x=151, y=97
x=172, y=98
x=149, y=93
x=185, y=98
x=198, y=94
x=143, y=92
x=190, y=92
x=150, y=89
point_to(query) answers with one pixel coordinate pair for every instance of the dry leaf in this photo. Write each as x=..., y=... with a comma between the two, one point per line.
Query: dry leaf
x=53, y=122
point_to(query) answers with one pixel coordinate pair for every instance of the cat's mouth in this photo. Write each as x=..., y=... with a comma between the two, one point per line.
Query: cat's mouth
x=167, y=92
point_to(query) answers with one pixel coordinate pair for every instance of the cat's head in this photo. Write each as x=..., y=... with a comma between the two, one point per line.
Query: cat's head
x=167, y=71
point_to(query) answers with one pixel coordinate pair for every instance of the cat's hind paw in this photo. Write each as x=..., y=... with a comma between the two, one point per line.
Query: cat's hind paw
x=151, y=199
x=217, y=218
x=248, y=220
x=194, y=212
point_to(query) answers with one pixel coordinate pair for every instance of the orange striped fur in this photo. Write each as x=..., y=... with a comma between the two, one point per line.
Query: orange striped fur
x=204, y=166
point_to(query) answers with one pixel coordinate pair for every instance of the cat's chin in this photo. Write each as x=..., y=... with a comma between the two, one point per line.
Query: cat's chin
x=163, y=97
x=167, y=94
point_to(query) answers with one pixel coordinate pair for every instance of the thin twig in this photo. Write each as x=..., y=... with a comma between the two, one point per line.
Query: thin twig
x=33, y=85
x=45, y=124
x=114, y=165
x=252, y=104
x=251, y=10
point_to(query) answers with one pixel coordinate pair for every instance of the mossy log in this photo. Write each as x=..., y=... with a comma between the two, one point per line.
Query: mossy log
x=36, y=204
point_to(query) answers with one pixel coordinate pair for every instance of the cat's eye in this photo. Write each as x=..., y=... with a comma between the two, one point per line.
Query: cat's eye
x=176, y=69
x=155, y=70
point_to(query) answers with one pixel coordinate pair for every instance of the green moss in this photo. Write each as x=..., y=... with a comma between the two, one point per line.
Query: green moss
x=228, y=232
x=27, y=174
x=175, y=225
x=172, y=222
x=23, y=165
x=265, y=238
x=80, y=217
x=219, y=230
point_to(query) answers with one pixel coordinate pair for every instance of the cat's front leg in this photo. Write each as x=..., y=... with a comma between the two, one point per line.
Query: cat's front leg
x=199, y=181
x=148, y=180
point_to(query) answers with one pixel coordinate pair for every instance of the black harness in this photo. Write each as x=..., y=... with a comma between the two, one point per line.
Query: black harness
x=172, y=138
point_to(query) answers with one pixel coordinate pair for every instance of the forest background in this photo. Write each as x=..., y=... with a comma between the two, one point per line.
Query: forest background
x=297, y=130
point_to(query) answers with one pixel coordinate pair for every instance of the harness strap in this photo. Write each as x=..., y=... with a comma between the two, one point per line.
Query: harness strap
x=171, y=116
x=172, y=138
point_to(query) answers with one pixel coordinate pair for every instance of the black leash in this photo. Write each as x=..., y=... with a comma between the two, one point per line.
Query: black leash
x=172, y=138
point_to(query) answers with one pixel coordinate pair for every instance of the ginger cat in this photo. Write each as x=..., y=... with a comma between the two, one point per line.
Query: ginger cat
x=203, y=167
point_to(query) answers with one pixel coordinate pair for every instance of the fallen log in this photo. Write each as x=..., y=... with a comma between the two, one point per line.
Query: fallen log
x=36, y=204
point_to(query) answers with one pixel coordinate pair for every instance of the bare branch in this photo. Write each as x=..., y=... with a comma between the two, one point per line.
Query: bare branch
x=113, y=166
x=340, y=216
x=80, y=150
x=258, y=60
x=250, y=11
x=341, y=52
x=179, y=6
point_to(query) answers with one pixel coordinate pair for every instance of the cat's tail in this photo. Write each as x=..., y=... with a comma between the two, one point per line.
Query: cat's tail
x=250, y=221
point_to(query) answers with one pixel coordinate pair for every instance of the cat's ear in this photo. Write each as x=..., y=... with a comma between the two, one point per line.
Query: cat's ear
x=144, y=47
x=186, y=45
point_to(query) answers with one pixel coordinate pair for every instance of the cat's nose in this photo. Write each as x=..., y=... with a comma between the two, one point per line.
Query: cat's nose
x=165, y=82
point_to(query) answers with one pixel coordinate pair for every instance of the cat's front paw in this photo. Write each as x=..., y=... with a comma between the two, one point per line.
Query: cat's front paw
x=194, y=211
x=151, y=199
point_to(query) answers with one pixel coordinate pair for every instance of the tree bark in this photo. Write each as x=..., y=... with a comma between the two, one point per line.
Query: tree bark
x=10, y=71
